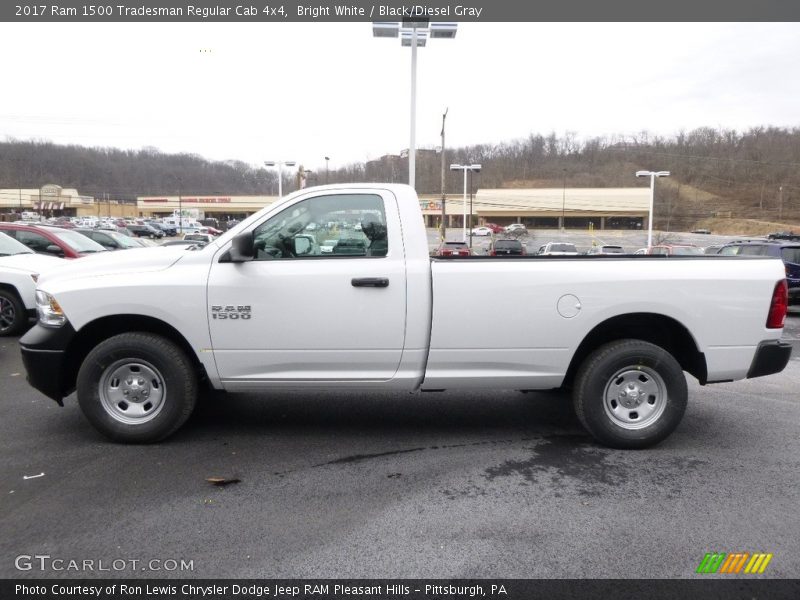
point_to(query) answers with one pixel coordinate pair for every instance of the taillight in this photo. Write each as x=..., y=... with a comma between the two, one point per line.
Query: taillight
x=493, y=253
x=779, y=305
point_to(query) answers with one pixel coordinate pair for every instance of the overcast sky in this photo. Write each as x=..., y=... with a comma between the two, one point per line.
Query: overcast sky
x=301, y=91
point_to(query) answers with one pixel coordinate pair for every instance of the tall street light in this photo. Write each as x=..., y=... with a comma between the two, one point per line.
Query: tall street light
x=327, y=158
x=564, y=202
x=413, y=33
x=652, y=175
x=466, y=169
x=279, y=164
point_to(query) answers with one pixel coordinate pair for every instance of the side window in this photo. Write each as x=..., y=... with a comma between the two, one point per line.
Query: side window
x=326, y=226
x=753, y=250
x=657, y=250
x=34, y=241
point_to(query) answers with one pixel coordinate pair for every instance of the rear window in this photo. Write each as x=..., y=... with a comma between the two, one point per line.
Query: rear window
x=613, y=249
x=791, y=254
x=512, y=244
x=562, y=248
x=454, y=245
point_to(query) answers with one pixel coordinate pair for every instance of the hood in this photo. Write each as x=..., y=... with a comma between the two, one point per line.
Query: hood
x=137, y=260
x=30, y=263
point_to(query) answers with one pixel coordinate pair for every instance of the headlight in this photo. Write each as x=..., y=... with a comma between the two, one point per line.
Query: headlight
x=50, y=312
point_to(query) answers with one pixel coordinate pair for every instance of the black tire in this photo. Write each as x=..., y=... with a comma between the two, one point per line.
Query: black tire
x=13, y=316
x=630, y=394
x=162, y=369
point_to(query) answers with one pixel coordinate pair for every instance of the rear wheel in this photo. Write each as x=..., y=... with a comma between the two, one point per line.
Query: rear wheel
x=13, y=316
x=137, y=387
x=630, y=394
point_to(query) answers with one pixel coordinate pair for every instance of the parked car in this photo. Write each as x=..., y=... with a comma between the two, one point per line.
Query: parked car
x=784, y=235
x=110, y=240
x=495, y=227
x=481, y=231
x=516, y=228
x=452, y=249
x=558, y=249
x=703, y=231
x=327, y=246
x=145, y=231
x=676, y=250
x=183, y=243
x=53, y=241
x=605, y=249
x=507, y=248
x=788, y=252
x=204, y=238
x=19, y=269
x=168, y=229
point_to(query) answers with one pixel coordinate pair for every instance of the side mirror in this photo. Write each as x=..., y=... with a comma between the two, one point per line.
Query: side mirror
x=242, y=248
x=302, y=245
x=53, y=249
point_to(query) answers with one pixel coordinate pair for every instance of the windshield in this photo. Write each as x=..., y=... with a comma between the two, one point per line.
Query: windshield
x=77, y=241
x=123, y=240
x=9, y=246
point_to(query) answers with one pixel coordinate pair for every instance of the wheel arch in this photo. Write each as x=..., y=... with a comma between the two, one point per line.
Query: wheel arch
x=94, y=332
x=658, y=329
x=8, y=287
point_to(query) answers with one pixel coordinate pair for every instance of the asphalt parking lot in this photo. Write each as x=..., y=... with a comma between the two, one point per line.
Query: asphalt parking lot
x=397, y=485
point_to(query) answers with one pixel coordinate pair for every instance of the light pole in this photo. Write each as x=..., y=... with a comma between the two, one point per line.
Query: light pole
x=279, y=164
x=413, y=33
x=652, y=175
x=564, y=202
x=327, y=172
x=444, y=195
x=466, y=169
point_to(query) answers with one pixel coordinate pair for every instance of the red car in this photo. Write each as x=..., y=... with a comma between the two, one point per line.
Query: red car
x=495, y=227
x=452, y=249
x=53, y=241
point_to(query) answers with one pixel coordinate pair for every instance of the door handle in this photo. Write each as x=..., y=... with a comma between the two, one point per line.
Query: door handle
x=370, y=282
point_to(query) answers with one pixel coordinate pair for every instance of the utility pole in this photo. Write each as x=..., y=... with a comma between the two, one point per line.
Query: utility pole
x=444, y=194
x=780, y=204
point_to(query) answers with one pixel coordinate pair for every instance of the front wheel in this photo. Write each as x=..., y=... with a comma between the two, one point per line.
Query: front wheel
x=12, y=313
x=630, y=394
x=137, y=387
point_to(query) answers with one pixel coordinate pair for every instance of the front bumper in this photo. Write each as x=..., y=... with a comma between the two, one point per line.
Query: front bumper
x=771, y=357
x=44, y=355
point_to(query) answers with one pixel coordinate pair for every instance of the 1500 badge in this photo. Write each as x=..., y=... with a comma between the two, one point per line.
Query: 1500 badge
x=230, y=311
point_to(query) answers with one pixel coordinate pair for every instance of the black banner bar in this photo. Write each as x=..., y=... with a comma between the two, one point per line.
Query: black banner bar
x=717, y=588
x=279, y=11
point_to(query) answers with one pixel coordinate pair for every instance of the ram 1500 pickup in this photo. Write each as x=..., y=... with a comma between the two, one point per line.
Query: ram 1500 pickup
x=264, y=307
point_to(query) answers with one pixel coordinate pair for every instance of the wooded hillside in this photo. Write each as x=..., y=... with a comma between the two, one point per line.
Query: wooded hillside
x=715, y=173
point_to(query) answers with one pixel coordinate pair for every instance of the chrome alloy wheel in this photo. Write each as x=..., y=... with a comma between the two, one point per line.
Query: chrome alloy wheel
x=132, y=391
x=635, y=397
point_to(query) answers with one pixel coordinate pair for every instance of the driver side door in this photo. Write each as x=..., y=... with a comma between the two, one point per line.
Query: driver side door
x=298, y=314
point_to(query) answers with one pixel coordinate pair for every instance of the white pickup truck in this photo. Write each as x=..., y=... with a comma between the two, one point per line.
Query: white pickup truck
x=262, y=308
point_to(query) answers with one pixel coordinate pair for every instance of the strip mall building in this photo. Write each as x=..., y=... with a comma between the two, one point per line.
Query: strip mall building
x=572, y=208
